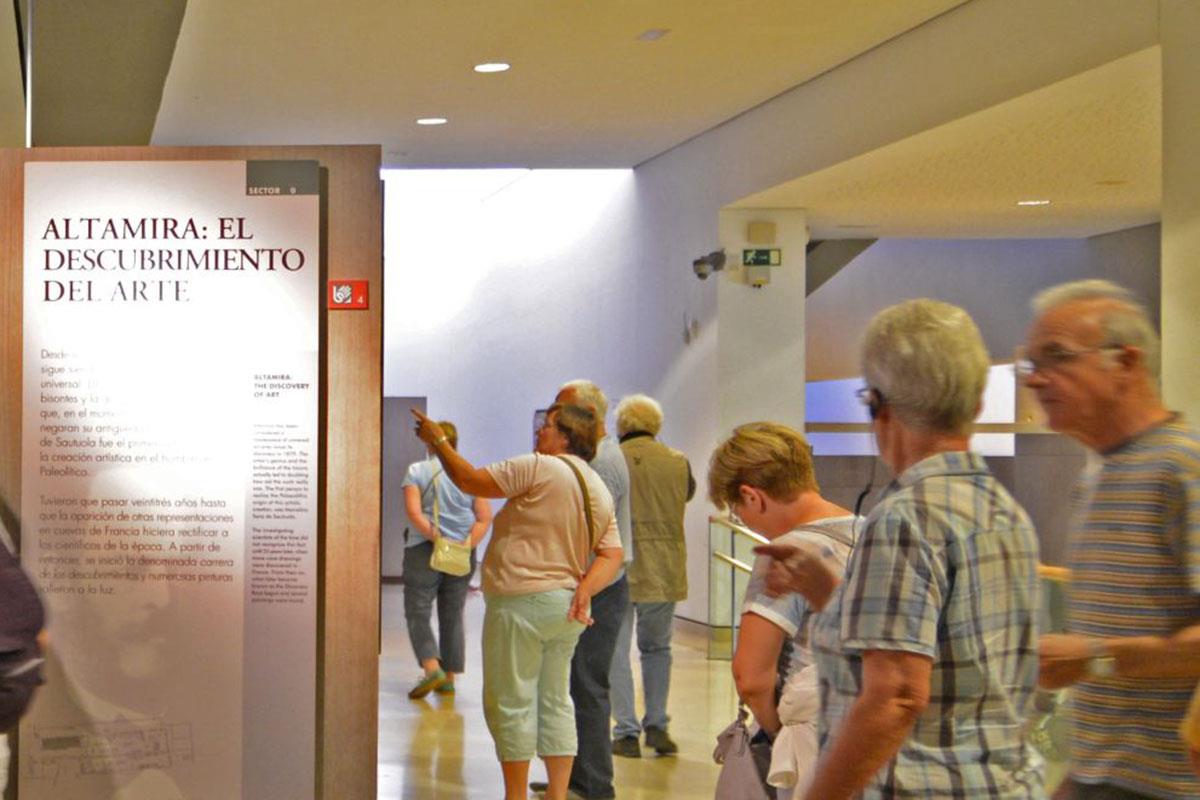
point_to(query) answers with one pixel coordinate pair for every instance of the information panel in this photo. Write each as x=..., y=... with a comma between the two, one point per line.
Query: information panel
x=169, y=500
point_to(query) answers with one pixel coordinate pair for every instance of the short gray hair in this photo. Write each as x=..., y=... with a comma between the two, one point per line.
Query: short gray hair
x=588, y=394
x=639, y=412
x=1126, y=322
x=927, y=359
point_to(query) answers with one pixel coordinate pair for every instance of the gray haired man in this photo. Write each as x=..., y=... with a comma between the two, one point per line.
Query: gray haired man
x=1132, y=647
x=661, y=483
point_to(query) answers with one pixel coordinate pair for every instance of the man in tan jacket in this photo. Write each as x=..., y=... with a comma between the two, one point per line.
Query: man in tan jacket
x=661, y=483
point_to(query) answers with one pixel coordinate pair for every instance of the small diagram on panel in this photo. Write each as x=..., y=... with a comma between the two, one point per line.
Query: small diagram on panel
x=103, y=748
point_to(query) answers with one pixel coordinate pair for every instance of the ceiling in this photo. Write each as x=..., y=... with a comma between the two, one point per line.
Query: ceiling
x=584, y=91
x=1091, y=144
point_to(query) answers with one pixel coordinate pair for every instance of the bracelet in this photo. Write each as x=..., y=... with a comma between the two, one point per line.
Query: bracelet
x=443, y=438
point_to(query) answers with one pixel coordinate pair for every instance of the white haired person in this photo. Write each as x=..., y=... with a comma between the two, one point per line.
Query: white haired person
x=1131, y=650
x=926, y=650
x=554, y=547
x=660, y=485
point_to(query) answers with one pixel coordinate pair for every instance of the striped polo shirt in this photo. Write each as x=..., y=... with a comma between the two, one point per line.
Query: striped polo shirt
x=1135, y=561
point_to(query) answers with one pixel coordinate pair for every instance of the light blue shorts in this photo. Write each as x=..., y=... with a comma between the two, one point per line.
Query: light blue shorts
x=527, y=647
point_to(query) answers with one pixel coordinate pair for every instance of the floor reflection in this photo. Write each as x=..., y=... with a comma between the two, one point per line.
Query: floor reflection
x=440, y=748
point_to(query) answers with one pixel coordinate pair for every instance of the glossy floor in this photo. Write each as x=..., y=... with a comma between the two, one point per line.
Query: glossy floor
x=439, y=749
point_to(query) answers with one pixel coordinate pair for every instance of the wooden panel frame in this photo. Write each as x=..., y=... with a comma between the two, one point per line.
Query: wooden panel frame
x=350, y=423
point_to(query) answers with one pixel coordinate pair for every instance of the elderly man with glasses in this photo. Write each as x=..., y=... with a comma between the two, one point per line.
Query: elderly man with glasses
x=1132, y=651
x=925, y=651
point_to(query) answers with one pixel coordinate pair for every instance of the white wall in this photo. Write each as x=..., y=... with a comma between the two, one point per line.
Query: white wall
x=613, y=305
x=501, y=285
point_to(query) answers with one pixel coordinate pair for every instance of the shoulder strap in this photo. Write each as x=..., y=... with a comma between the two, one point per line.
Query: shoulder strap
x=433, y=485
x=587, y=501
x=437, y=531
x=831, y=535
x=432, y=481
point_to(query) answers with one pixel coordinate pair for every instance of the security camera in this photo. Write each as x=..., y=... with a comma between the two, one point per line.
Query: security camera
x=707, y=265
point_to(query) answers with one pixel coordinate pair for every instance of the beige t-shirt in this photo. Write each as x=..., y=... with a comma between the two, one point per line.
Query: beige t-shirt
x=540, y=538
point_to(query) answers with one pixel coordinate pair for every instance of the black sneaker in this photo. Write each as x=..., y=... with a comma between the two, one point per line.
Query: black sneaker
x=627, y=747
x=660, y=742
x=540, y=787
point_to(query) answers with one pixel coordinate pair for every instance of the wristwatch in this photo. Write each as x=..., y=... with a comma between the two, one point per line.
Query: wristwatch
x=1102, y=664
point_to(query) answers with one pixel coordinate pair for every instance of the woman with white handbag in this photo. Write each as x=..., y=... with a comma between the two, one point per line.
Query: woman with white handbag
x=439, y=558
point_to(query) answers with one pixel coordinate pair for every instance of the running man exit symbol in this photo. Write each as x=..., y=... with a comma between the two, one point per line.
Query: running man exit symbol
x=772, y=257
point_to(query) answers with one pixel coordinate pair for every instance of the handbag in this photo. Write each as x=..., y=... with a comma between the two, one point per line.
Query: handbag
x=744, y=763
x=448, y=556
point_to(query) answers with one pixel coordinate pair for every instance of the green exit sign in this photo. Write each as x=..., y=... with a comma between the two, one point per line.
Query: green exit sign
x=762, y=257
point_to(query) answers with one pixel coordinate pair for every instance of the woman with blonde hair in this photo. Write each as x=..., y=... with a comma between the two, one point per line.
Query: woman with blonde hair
x=763, y=473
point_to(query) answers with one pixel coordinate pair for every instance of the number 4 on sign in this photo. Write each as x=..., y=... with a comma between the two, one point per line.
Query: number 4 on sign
x=348, y=295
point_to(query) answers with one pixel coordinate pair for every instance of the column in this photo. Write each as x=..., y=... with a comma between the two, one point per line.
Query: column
x=760, y=331
x=1179, y=25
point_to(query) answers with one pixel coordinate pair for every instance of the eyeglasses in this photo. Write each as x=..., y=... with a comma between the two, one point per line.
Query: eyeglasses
x=1053, y=359
x=872, y=398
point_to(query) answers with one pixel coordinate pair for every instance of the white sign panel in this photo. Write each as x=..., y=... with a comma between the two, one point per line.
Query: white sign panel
x=169, y=495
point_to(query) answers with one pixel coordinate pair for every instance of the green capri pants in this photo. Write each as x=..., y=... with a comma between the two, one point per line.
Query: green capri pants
x=527, y=647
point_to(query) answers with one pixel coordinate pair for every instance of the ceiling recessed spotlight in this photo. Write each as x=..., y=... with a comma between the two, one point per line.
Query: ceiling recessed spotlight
x=653, y=34
x=1033, y=202
x=493, y=66
x=431, y=121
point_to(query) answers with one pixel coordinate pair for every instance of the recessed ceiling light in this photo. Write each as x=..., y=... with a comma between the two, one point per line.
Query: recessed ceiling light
x=1033, y=202
x=431, y=121
x=493, y=66
x=653, y=34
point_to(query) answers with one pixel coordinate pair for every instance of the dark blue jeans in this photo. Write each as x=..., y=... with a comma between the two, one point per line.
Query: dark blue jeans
x=592, y=774
x=423, y=585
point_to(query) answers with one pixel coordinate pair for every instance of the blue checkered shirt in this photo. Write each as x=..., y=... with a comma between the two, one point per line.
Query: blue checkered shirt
x=946, y=567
